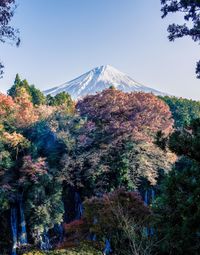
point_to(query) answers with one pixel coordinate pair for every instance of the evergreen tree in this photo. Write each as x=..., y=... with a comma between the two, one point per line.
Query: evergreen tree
x=37, y=97
x=177, y=209
x=61, y=99
x=183, y=110
x=17, y=84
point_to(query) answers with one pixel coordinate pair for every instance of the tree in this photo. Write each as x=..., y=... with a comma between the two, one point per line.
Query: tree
x=7, y=108
x=17, y=84
x=191, y=14
x=121, y=217
x=63, y=101
x=110, y=148
x=36, y=96
x=25, y=113
x=139, y=115
x=183, y=110
x=7, y=32
x=43, y=196
x=177, y=209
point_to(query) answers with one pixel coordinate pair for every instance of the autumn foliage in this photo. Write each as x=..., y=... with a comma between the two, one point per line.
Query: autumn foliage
x=7, y=106
x=102, y=212
x=20, y=110
x=99, y=148
x=31, y=170
x=118, y=113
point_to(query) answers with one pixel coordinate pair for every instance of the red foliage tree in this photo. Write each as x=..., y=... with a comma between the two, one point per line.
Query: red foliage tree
x=121, y=217
x=137, y=114
x=107, y=209
x=31, y=170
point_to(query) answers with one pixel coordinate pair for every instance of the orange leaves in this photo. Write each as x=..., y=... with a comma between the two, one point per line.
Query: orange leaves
x=7, y=106
x=19, y=111
x=25, y=111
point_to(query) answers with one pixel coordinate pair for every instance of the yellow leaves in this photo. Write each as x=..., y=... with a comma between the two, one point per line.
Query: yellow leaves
x=1, y=128
x=15, y=140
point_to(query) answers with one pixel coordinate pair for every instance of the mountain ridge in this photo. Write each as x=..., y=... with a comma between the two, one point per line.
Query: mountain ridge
x=99, y=79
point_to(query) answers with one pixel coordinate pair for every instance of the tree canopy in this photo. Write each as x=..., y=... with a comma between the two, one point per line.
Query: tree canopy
x=177, y=208
x=36, y=96
x=191, y=14
x=7, y=32
x=183, y=110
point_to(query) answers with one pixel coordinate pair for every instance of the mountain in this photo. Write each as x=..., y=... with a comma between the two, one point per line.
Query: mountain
x=99, y=79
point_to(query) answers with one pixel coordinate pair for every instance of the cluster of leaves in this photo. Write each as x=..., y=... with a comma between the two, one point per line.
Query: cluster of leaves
x=36, y=96
x=28, y=168
x=183, y=110
x=61, y=99
x=121, y=217
x=51, y=149
x=191, y=13
x=114, y=146
x=117, y=113
x=7, y=32
x=177, y=208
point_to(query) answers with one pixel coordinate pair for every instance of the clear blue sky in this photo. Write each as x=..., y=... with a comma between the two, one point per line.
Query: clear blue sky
x=62, y=39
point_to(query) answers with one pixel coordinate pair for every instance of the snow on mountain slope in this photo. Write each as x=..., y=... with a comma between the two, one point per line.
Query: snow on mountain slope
x=99, y=79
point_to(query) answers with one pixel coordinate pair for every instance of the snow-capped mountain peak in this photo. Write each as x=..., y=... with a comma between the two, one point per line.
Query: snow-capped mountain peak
x=99, y=79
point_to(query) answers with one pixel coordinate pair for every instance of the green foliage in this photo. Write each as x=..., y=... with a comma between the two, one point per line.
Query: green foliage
x=44, y=206
x=5, y=158
x=177, y=209
x=18, y=83
x=102, y=167
x=62, y=99
x=92, y=151
x=37, y=97
x=45, y=142
x=183, y=110
x=187, y=141
x=8, y=33
x=42, y=195
x=4, y=200
x=191, y=14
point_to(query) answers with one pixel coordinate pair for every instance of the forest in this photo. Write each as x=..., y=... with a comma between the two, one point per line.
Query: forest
x=114, y=173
